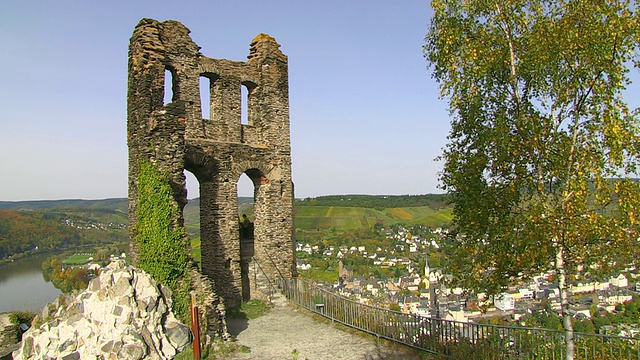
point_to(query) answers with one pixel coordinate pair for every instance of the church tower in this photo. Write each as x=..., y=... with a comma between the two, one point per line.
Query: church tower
x=427, y=269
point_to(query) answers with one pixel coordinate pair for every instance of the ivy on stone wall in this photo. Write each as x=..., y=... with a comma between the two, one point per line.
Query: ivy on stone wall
x=162, y=246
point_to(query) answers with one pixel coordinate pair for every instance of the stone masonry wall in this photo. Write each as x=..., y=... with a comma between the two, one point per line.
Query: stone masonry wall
x=218, y=150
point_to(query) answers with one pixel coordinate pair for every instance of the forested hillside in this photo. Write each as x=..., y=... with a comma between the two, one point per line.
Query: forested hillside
x=21, y=231
x=60, y=224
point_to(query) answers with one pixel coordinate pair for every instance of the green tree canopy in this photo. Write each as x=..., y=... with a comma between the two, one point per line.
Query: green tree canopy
x=542, y=148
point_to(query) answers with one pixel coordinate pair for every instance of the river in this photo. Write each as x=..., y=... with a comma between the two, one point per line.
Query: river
x=22, y=287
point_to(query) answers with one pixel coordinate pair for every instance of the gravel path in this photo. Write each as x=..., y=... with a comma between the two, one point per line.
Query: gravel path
x=285, y=330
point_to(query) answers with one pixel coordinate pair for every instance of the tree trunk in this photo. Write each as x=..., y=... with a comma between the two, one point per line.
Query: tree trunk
x=564, y=301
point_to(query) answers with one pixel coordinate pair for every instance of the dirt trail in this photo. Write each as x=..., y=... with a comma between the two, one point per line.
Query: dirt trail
x=286, y=331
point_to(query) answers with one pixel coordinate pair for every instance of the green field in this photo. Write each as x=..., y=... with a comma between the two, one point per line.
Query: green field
x=351, y=218
x=196, y=250
x=77, y=259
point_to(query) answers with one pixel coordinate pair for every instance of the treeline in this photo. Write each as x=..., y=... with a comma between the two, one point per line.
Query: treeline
x=119, y=204
x=22, y=231
x=66, y=279
x=434, y=201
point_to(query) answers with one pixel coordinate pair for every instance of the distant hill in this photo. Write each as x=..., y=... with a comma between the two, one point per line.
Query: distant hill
x=22, y=231
x=108, y=211
x=106, y=204
x=51, y=223
x=115, y=204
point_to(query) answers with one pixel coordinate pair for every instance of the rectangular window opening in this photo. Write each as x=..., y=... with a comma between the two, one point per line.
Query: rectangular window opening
x=244, y=105
x=205, y=97
x=168, y=87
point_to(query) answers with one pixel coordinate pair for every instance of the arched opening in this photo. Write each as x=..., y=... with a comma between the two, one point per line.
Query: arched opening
x=246, y=192
x=191, y=214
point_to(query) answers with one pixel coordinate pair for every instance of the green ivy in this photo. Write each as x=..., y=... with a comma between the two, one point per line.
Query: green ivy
x=162, y=247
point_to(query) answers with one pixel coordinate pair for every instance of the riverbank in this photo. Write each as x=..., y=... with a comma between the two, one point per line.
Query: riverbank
x=29, y=253
x=19, y=256
x=34, y=252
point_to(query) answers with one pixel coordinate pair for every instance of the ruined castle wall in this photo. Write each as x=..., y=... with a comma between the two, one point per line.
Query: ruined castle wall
x=155, y=132
x=217, y=150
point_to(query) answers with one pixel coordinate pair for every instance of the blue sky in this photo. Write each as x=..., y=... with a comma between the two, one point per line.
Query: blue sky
x=365, y=113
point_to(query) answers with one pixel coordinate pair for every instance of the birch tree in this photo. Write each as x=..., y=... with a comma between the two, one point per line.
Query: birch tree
x=543, y=149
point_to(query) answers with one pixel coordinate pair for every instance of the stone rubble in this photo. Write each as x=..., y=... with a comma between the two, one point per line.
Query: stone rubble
x=123, y=314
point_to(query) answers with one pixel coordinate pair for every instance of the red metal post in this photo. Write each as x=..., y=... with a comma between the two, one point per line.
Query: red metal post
x=195, y=327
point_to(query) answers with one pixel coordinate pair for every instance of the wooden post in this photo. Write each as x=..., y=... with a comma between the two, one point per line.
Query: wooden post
x=195, y=327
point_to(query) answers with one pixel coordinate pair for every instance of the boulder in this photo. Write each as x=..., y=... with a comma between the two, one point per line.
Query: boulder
x=123, y=314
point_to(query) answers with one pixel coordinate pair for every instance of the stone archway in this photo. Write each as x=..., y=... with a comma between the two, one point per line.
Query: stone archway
x=174, y=137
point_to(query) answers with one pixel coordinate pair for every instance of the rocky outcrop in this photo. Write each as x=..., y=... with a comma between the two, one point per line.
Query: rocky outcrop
x=123, y=314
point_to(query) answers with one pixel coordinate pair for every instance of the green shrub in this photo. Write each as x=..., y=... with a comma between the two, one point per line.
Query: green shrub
x=21, y=317
x=16, y=318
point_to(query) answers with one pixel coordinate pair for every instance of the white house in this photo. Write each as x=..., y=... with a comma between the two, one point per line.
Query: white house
x=587, y=287
x=619, y=281
x=504, y=302
x=303, y=265
x=526, y=293
x=307, y=248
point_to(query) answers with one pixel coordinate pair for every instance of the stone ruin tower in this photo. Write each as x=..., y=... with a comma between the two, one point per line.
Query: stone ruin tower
x=175, y=137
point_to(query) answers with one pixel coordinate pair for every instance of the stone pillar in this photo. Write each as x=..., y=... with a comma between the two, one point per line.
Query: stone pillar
x=225, y=106
x=219, y=234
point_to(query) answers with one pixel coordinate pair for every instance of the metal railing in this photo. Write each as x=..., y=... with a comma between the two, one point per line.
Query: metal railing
x=447, y=339
x=271, y=287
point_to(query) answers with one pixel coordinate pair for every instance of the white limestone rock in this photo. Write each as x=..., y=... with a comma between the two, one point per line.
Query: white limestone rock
x=123, y=314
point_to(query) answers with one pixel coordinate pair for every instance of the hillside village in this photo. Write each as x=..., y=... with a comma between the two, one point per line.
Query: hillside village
x=92, y=224
x=423, y=290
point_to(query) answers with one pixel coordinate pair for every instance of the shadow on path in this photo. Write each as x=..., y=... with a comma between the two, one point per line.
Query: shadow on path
x=237, y=325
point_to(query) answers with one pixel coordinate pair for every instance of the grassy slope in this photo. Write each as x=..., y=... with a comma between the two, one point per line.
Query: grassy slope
x=351, y=218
